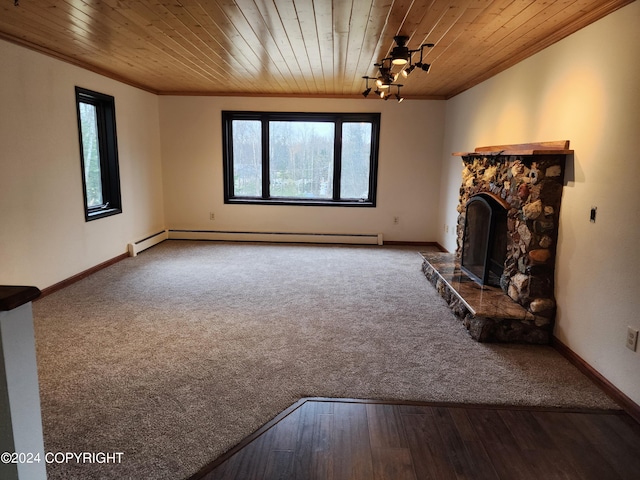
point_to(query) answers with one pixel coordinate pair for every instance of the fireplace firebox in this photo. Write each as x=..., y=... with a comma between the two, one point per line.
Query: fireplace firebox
x=484, y=248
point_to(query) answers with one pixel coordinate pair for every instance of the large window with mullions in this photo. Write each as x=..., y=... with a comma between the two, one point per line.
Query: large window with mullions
x=300, y=158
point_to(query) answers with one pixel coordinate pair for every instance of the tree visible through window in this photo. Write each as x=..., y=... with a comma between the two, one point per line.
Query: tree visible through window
x=300, y=158
x=91, y=154
x=98, y=153
x=247, y=143
x=301, y=155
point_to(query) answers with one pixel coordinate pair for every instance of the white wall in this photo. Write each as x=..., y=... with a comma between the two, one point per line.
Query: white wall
x=585, y=89
x=408, y=170
x=43, y=234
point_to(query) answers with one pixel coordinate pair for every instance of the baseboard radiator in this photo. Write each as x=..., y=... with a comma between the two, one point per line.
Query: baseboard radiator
x=277, y=237
x=148, y=242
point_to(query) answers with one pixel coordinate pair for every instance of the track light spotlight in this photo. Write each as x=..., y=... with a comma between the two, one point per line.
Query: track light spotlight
x=407, y=71
x=423, y=66
x=383, y=82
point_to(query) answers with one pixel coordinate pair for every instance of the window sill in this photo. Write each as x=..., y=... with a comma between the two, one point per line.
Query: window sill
x=107, y=212
x=299, y=202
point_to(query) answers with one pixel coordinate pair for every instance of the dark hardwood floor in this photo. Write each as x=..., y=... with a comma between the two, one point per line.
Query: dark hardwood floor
x=365, y=440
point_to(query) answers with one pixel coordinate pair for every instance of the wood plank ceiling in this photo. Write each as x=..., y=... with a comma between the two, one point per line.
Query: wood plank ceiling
x=293, y=47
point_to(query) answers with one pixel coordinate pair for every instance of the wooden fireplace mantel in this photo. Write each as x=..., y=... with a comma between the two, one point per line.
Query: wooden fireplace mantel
x=559, y=147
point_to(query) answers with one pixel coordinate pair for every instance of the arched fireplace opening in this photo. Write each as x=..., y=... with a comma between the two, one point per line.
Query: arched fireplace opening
x=484, y=247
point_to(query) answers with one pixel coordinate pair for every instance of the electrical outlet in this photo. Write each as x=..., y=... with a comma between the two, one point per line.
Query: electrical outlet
x=632, y=338
x=396, y=220
x=212, y=216
x=446, y=228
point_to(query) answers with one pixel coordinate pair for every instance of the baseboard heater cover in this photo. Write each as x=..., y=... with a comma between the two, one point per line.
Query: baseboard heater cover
x=277, y=237
x=147, y=242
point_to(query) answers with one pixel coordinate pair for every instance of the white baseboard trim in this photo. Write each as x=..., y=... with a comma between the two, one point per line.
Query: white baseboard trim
x=136, y=247
x=277, y=237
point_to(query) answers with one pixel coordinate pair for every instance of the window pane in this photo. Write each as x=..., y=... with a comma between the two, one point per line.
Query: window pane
x=91, y=154
x=247, y=158
x=301, y=159
x=356, y=160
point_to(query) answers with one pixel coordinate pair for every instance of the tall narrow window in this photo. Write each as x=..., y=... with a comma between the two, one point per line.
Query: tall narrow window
x=98, y=154
x=356, y=167
x=300, y=158
x=247, y=145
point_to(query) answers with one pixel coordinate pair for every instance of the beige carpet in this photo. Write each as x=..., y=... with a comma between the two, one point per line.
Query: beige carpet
x=174, y=356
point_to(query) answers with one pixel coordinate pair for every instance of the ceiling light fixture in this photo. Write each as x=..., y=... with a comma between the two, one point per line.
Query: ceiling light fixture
x=401, y=56
x=400, y=53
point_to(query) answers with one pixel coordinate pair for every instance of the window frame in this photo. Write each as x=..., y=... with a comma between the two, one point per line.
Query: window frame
x=338, y=119
x=108, y=152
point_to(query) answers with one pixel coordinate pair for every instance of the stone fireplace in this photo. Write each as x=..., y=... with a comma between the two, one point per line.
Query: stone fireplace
x=507, y=234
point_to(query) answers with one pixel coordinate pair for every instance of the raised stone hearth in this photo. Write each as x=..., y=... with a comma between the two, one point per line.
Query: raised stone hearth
x=487, y=312
x=523, y=183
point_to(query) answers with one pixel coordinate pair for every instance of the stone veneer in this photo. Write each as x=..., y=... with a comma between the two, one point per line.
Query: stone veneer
x=527, y=180
x=488, y=314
